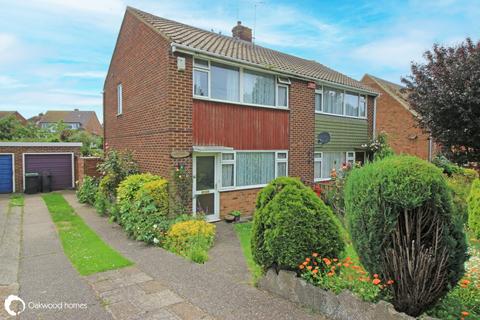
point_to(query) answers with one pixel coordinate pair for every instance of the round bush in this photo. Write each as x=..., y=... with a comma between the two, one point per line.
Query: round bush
x=153, y=196
x=290, y=223
x=474, y=209
x=400, y=216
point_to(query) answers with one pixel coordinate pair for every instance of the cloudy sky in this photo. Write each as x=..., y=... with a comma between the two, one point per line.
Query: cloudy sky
x=54, y=54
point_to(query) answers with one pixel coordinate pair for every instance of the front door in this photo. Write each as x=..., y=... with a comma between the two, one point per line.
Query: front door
x=205, y=193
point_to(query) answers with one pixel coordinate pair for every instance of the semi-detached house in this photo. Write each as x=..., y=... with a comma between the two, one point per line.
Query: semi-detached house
x=233, y=113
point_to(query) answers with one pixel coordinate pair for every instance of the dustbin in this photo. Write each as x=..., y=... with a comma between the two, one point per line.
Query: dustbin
x=46, y=181
x=32, y=183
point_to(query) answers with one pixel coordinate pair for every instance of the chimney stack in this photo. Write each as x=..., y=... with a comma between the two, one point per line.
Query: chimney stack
x=242, y=32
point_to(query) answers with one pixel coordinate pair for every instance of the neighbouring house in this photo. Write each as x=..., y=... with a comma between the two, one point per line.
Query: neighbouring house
x=396, y=118
x=76, y=119
x=233, y=113
x=16, y=114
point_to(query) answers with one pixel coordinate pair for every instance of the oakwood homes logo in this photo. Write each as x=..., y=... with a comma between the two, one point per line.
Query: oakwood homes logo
x=8, y=304
x=15, y=309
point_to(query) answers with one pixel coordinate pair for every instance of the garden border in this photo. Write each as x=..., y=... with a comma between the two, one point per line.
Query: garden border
x=344, y=306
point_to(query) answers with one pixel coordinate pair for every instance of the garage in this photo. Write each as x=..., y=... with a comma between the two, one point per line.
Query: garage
x=57, y=159
x=59, y=166
x=7, y=175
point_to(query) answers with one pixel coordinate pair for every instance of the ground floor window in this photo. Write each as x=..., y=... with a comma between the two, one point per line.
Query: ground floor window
x=252, y=168
x=326, y=161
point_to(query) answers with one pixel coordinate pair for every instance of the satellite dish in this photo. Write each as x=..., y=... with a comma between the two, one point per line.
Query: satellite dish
x=323, y=137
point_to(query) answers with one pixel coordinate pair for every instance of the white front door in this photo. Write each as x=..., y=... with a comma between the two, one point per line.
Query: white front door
x=205, y=192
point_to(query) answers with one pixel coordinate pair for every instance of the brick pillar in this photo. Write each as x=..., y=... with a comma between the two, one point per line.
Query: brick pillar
x=302, y=131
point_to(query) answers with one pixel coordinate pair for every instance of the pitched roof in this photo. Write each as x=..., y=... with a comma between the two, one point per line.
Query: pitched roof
x=397, y=91
x=243, y=51
x=9, y=113
x=67, y=116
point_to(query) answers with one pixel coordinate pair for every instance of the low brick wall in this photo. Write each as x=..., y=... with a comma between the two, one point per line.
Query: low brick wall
x=344, y=306
x=242, y=200
x=87, y=166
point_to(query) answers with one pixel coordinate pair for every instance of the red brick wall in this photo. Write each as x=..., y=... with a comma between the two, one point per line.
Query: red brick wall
x=242, y=200
x=139, y=63
x=302, y=131
x=18, y=154
x=399, y=124
x=87, y=166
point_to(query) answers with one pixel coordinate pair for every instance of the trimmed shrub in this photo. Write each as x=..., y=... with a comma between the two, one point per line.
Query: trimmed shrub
x=127, y=191
x=191, y=239
x=400, y=215
x=87, y=191
x=290, y=223
x=474, y=209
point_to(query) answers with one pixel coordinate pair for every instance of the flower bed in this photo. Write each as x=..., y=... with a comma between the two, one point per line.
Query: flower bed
x=344, y=306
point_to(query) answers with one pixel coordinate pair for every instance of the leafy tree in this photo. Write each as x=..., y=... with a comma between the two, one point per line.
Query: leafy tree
x=445, y=91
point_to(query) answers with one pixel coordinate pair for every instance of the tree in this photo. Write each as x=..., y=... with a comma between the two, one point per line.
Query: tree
x=445, y=92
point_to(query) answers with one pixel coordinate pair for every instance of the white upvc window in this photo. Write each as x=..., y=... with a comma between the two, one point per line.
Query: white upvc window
x=234, y=84
x=317, y=169
x=318, y=100
x=252, y=169
x=119, y=99
x=340, y=102
x=326, y=161
x=228, y=169
x=281, y=165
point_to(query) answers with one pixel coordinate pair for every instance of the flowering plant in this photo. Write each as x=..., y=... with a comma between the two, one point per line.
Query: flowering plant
x=338, y=275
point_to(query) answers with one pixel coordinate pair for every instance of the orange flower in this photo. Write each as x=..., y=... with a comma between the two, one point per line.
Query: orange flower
x=315, y=254
x=305, y=263
x=375, y=276
x=309, y=267
x=376, y=281
x=335, y=260
x=466, y=282
x=327, y=261
x=301, y=266
x=307, y=260
x=465, y=313
x=315, y=262
x=331, y=273
x=346, y=265
x=389, y=282
x=315, y=271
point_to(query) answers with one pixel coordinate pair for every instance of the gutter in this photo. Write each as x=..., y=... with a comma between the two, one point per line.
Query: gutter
x=189, y=50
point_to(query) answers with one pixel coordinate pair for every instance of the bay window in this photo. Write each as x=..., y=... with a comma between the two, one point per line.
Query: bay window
x=252, y=168
x=228, y=83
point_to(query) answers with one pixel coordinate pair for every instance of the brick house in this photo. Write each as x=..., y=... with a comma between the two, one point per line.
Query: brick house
x=234, y=114
x=396, y=118
x=15, y=114
x=75, y=119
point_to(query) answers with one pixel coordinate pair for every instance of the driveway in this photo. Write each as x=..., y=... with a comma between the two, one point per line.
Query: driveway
x=160, y=285
x=219, y=287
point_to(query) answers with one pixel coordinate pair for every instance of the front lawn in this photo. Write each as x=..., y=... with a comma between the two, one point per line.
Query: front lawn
x=244, y=233
x=85, y=249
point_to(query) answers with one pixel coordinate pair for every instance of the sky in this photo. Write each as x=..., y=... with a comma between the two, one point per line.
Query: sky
x=54, y=54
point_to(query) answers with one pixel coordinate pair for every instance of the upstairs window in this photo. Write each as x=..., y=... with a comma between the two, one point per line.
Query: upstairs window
x=223, y=82
x=340, y=102
x=119, y=99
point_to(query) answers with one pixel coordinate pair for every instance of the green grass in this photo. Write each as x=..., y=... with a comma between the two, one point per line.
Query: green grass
x=85, y=249
x=17, y=200
x=244, y=233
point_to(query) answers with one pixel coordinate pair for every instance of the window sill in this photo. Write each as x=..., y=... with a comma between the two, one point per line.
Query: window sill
x=322, y=180
x=340, y=115
x=241, y=104
x=258, y=186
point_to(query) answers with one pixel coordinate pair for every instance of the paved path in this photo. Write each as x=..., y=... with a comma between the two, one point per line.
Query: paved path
x=46, y=275
x=213, y=287
x=10, y=239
